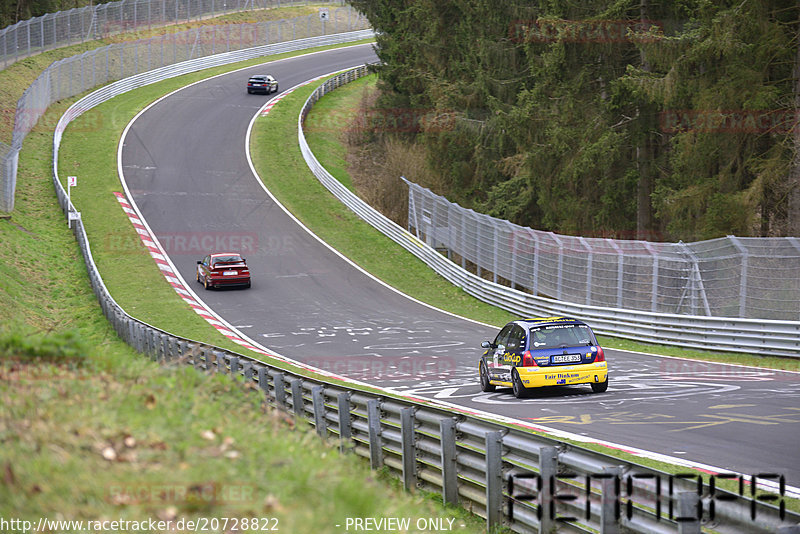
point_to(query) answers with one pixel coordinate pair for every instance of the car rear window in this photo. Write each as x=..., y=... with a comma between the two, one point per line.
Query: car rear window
x=561, y=335
x=227, y=260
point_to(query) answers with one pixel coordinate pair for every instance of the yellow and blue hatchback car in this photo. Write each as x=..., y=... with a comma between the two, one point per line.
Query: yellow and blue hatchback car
x=546, y=351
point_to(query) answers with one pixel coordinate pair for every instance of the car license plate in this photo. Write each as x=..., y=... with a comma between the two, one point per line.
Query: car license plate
x=564, y=358
x=229, y=273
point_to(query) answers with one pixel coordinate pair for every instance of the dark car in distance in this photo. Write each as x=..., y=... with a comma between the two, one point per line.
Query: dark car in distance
x=225, y=269
x=262, y=83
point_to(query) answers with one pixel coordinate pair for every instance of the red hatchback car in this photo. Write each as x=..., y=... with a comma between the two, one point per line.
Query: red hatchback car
x=223, y=269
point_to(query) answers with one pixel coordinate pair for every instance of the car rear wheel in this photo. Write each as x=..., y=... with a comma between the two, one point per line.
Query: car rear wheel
x=485, y=385
x=600, y=387
x=516, y=385
x=205, y=283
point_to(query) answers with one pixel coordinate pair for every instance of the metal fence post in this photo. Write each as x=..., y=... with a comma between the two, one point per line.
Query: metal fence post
x=548, y=469
x=345, y=423
x=494, y=479
x=318, y=404
x=447, y=429
x=408, y=448
x=374, y=423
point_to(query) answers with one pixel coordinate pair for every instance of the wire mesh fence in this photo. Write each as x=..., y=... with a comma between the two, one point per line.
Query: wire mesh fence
x=757, y=278
x=77, y=74
x=54, y=30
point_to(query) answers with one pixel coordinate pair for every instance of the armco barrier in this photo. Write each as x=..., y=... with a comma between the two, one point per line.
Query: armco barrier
x=504, y=473
x=754, y=336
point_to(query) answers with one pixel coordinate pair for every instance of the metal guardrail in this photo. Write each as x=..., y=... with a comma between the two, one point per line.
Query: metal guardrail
x=509, y=476
x=753, y=336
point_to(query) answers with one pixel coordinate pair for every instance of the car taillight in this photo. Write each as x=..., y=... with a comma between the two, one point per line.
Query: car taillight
x=601, y=357
x=527, y=359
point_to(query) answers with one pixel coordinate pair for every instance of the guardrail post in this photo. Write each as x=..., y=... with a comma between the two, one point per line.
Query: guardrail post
x=548, y=469
x=318, y=403
x=247, y=370
x=136, y=336
x=198, y=355
x=345, y=423
x=263, y=381
x=163, y=348
x=146, y=342
x=688, y=523
x=609, y=500
x=374, y=423
x=297, y=397
x=447, y=429
x=494, y=479
x=235, y=367
x=408, y=448
x=152, y=347
x=220, y=363
x=280, y=390
x=182, y=351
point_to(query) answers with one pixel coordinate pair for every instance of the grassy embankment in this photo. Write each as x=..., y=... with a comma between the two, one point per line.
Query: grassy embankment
x=91, y=430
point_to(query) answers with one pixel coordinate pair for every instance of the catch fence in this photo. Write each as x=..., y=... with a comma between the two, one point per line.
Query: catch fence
x=742, y=277
x=78, y=25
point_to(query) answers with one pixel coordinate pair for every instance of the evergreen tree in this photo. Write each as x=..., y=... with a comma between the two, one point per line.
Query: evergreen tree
x=598, y=117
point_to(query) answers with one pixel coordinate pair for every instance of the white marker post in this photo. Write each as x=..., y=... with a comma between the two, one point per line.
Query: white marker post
x=71, y=181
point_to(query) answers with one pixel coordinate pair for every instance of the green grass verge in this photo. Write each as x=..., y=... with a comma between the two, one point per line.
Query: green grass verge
x=107, y=434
